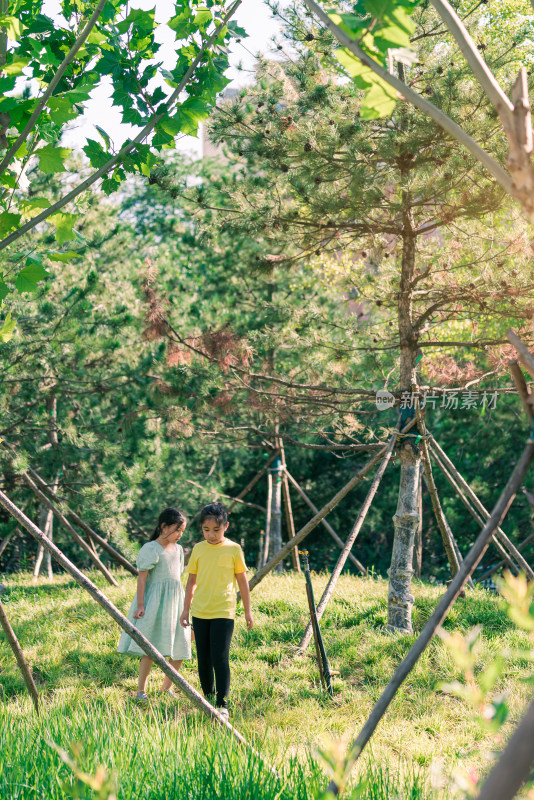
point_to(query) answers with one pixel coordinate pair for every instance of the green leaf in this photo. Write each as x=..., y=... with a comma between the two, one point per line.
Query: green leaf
x=380, y=100
x=26, y=206
x=202, y=17
x=68, y=255
x=95, y=153
x=62, y=109
x=15, y=66
x=104, y=135
x=8, y=222
x=4, y=290
x=12, y=25
x=29, y=277
x=64, y=224
x=8, y=328
x=51, y=159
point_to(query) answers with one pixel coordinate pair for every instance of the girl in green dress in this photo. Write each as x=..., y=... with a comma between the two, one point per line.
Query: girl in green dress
x=159, y=600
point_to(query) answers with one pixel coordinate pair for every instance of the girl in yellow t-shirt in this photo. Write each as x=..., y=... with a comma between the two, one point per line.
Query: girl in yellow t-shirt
x=215, y=566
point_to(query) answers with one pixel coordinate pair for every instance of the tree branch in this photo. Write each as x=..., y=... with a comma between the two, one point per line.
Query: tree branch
x=127, y=147
x=67, y=61
x=454, y=130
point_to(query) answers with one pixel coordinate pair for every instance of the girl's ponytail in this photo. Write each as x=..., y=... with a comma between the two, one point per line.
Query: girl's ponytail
x=170, y=516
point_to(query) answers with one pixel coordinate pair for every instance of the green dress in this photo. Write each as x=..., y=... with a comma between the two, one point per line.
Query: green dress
x=164, y=602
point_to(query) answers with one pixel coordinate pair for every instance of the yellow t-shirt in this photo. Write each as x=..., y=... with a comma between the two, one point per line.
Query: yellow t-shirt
x=215, y=566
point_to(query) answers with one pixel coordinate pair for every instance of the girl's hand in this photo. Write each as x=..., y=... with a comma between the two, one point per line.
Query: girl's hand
x=249, y=620
x=139, y=612
x=184, y=619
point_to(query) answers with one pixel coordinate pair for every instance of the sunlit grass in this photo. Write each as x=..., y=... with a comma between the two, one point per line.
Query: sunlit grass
x=277, y=701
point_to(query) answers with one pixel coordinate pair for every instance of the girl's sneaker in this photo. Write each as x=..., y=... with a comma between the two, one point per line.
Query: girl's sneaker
x=141, y=698
x=223, y=714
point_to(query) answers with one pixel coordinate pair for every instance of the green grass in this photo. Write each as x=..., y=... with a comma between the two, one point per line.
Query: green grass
x=277, y=702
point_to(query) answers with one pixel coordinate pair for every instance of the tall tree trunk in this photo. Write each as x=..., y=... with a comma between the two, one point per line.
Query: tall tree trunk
x=275, y=543
x=406, y=519
x=418, y=544
x=46, y=516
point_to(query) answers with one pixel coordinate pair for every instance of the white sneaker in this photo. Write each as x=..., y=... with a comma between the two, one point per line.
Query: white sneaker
x=223, y=714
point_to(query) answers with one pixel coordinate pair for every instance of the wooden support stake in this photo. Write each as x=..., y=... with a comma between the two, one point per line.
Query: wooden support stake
x=4, y=543
x=336, y=572
x=500, y=534
x=290, y=522
x=68, y=527
x=496, y=543
x=320, y=652
x=115, y=555
x=254, y=480
x=19, y=655
x=446, y=533
x=122, y=621
x=525, y=356
x=338, y=540
x=521, y=386
x=267, y=534
x=503, y=563
x=314, y=521
x=443, y=607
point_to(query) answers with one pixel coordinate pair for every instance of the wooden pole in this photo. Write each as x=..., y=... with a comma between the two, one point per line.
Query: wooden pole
x=4, y=543
x=320, y=652
x=521, y=386
x=514, y=766
x=267, y=534
x=118, y=557
x=312, y=523
x=496, y=543
x=443, y=526
x=338, y=540
x=525, y=356
x=336, y=572
x=254, y=480
x=500, y=534
x=418, y=539
x=290, y=522
x=68, y=527
x=19, y=655
x=120, y=619
x=494, y=569
x=443, y=607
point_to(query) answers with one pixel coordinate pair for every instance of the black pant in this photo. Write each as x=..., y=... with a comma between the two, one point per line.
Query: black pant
x=213, y=637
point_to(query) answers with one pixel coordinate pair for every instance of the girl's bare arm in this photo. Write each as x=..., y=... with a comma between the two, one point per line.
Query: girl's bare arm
x=242, y=582
x=141, y=584
x=189, y=589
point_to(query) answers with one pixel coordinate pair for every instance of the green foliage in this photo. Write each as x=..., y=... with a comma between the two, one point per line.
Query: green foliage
x=120, y=45
x=86, y=687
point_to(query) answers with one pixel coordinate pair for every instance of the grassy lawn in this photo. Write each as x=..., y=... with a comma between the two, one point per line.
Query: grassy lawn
x=277, y=702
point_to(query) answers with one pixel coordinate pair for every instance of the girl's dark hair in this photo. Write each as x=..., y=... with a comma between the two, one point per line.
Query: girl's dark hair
x=214, y=511
x=171, y=516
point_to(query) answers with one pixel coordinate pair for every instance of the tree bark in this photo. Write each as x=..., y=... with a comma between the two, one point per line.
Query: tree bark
x=290, y=522
x=406, y=519
x=418, y=543
x=267, y=534
x=275, y=544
